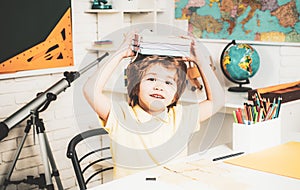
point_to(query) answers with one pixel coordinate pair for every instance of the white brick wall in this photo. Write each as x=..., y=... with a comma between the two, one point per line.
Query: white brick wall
x=279, y=64
x=59, y=119
x=59, y=122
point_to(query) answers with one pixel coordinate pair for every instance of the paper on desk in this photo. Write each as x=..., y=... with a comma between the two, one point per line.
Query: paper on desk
x=201, y=174
x=281, y=160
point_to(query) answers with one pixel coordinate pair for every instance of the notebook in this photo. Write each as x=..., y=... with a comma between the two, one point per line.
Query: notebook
x=282, y=160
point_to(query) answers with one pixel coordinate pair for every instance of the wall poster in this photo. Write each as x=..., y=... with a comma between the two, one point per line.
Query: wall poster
x=259, y=20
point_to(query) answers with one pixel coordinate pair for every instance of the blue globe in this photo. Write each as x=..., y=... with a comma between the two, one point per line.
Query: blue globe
x=240, y=62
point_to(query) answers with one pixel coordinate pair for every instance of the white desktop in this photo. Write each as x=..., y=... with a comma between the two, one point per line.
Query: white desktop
x=199, y=171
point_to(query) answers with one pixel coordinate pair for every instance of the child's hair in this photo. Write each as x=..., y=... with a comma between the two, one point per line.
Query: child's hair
x=136, y=70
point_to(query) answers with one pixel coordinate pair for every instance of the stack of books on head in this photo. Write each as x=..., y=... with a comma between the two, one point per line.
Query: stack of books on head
x=161, y=45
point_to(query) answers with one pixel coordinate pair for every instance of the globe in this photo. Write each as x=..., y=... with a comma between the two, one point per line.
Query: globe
x=239, y=62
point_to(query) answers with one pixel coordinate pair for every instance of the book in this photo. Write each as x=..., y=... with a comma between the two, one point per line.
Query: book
x=288, y=92
x=163, y=39
x=281, y=160
x=103, y=42
x=161, y=45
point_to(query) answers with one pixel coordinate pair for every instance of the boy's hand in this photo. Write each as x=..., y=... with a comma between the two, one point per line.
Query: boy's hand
x=125, y=48
x=193, y=49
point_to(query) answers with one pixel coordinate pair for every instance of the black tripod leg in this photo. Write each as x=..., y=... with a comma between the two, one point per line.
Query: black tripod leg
x=17, y=154
x=53, y=165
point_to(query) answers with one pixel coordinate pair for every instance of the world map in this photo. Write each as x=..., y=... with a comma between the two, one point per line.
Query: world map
x=254, y=20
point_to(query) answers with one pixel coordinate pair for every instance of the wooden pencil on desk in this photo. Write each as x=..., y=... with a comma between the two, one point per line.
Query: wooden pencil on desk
x=279, y=100
x=272, y=116
x=250, y=113
x=246, y=111
x=260, y=115
x=271, y=111
x=262, y=103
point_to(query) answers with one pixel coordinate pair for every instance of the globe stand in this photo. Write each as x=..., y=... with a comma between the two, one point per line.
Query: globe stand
x=239, y=88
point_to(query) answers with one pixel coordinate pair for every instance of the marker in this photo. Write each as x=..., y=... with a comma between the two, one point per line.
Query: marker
x=150, y=178
x=278, y=107
x=227, y=156
x=234, y=117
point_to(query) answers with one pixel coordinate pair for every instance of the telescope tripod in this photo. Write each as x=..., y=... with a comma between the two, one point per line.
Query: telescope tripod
x=32, y=110
x=44, y=181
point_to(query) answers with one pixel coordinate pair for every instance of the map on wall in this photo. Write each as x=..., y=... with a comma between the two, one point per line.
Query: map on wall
x=253, y=20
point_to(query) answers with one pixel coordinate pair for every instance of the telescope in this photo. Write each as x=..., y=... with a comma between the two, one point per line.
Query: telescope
x=43, y=98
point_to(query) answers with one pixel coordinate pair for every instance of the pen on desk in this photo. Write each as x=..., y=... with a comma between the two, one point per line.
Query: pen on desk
x=246, y=111
x=227, y=156
x=150, y=178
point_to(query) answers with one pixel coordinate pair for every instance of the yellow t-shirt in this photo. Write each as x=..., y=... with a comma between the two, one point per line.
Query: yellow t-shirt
x=140, y=140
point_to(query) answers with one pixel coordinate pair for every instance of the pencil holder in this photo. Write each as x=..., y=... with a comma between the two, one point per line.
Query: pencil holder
x=256, y=137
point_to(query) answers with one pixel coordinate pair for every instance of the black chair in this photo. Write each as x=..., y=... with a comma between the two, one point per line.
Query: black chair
x=84, y=177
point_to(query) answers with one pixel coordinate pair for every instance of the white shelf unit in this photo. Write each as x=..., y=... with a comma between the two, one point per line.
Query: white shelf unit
x=129, y=13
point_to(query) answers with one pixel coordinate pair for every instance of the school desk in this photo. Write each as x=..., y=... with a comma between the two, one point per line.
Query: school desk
x=199, y=171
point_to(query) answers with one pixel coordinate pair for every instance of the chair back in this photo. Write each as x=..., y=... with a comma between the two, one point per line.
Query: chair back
x=84, y=168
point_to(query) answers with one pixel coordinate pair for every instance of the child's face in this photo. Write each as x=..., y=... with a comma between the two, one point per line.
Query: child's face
x=157, y=89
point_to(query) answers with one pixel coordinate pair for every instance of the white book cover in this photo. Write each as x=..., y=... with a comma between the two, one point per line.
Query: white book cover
x=161, y=45
x=168, y=52
x=164, y=40
x=164, y=46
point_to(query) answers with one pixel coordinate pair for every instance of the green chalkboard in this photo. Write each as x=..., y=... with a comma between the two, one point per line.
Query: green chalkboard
x=25, y=24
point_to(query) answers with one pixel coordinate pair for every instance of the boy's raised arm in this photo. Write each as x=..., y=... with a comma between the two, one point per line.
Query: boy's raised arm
x=93, y=88
x=214, y=90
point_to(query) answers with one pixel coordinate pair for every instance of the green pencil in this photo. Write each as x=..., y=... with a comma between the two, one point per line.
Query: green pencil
x=234, y=117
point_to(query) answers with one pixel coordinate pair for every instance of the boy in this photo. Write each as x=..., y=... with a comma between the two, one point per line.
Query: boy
x=150, y=127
